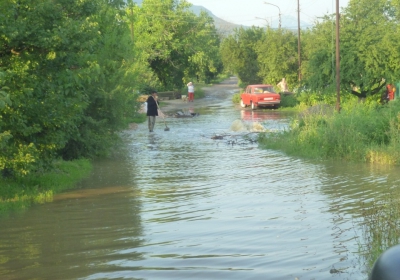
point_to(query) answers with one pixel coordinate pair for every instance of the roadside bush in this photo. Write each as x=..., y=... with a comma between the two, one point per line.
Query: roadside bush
x=359, y=133
x=289, y=100
x=236, y=98
x=199, y=93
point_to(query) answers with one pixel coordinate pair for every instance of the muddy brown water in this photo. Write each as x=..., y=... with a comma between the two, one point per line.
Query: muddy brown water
x=180, y=205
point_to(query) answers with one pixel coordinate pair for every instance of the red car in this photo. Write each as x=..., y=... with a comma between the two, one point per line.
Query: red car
x=260, y=96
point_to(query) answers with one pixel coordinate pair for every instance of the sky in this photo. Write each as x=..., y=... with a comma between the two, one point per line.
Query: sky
x=256, y=12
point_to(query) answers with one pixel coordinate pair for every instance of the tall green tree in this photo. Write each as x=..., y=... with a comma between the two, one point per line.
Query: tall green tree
x=239, y=55
x=109, y=87
x=277, y=56
x=64, y=65
x=369, y=49
x=204, y=57
x=174, y=42
x=319, y=55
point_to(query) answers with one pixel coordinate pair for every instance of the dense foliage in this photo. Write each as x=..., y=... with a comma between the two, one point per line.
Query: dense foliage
x=63, y=64
x=238, y=52
x=369, y=48
x=71, y=71
x=369, y=52
x=175, y=43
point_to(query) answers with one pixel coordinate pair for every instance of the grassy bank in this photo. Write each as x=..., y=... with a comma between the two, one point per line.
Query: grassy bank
x=19, y=194
x=366, y=133
x=380, y=228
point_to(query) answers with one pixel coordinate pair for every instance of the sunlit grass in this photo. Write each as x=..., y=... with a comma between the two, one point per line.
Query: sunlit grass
x=236, y=98
x=380, y=228
x=362, y=133
x=17, y=194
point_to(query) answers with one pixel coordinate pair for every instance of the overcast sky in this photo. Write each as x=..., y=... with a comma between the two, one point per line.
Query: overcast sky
x=246, y=12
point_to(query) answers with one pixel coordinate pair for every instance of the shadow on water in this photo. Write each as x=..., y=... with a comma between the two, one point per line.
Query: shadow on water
x=181, y=204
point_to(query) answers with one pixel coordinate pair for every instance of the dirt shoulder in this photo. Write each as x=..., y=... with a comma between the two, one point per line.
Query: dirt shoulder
x=213, y=93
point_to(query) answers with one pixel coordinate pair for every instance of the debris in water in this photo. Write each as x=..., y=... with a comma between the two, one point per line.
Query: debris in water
x=239, y=125
x=189, y=114
x=243, y=139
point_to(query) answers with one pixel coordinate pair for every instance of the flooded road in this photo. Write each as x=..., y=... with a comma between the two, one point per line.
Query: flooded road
x=179, y=204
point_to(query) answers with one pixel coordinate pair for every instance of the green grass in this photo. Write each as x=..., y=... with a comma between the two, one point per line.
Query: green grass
x=380, y=228
x=199, y=92
x=236, y=98
x=19, y=194
x=362, y=133
x=139, y=118
x=289, y=101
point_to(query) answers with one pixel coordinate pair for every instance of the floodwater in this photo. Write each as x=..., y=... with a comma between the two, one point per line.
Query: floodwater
x=185, y=204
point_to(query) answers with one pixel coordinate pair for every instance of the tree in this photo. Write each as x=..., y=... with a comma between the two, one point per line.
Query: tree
x=204, y=57
x=174, y=42
x=65, y=68
x=319, y=55
x=277, y=56
x=369, y=49
x=238, y=52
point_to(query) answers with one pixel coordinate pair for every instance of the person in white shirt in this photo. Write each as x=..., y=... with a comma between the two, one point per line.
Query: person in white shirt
x=190, y=92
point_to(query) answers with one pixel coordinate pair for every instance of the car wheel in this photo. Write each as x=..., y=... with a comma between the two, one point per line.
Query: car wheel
x=253, y=106
x=242, y=104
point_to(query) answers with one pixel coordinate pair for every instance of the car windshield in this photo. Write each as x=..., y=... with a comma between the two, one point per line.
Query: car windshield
x=260, y=90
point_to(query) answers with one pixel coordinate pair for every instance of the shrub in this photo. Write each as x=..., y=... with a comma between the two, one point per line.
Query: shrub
x=289, y=100
x=359, y=133
x=236, y=98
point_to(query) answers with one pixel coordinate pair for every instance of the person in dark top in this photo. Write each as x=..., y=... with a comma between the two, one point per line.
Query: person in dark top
x=152, y=106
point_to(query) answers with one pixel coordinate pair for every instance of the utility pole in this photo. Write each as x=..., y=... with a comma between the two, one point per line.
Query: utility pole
x=298, y=38
x=337, y=58
x=280, y=20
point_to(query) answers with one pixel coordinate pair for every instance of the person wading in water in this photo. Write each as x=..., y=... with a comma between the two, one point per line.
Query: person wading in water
x=152, y=106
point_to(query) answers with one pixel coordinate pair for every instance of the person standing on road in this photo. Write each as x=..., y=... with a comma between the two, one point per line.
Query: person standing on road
x=283, y=85
x=190, y=92
x=152, y=112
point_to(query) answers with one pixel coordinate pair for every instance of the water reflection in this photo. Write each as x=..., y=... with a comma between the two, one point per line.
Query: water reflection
x=260, y=115
x=79, y=233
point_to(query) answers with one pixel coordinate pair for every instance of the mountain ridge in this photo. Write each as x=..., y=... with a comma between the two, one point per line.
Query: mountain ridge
x=226, y=27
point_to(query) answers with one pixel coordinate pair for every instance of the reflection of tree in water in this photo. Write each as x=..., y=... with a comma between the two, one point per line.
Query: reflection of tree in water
x=353, y=183
x=380, y=227
x=82, y=232
x=360, y=194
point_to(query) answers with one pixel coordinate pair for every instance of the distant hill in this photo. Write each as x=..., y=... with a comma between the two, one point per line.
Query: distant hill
x=290, y=23
x=223, y=26
x=227, y=28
